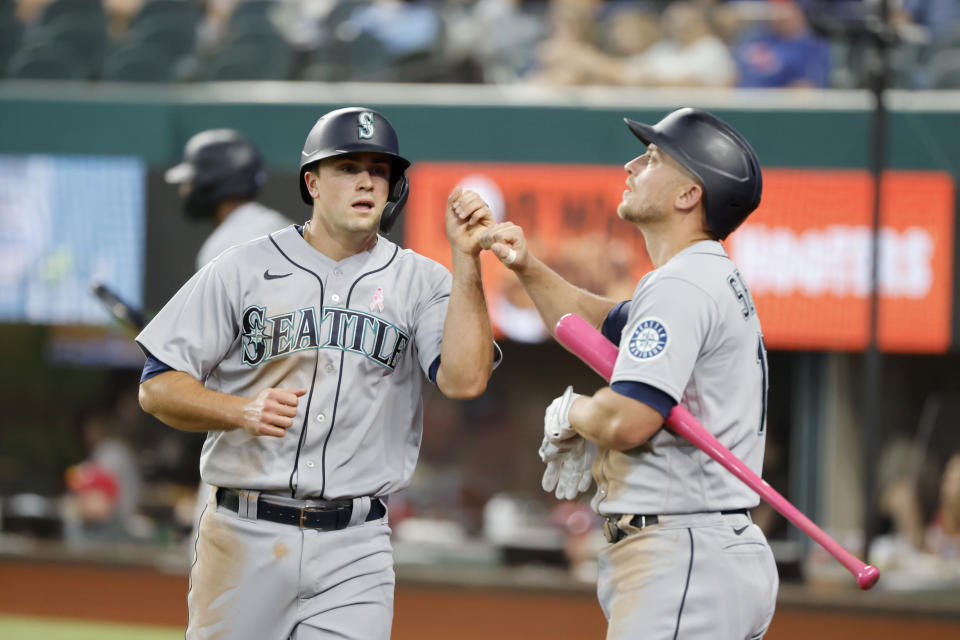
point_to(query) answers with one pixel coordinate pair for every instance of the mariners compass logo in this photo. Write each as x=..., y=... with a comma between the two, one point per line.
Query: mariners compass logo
x=649, y=339
x=365, y=128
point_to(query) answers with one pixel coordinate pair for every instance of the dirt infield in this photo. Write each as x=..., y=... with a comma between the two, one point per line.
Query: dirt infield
x=422, y=611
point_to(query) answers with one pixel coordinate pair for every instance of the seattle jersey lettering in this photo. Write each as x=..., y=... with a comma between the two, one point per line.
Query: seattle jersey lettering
x=739, y=288
x=269, y=337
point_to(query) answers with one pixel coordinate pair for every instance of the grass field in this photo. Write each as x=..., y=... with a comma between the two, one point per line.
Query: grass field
x=17, y=628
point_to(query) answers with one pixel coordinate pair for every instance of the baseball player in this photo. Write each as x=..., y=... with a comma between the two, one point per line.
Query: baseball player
x=219, y=179
x=684, y=559
x=298, y=353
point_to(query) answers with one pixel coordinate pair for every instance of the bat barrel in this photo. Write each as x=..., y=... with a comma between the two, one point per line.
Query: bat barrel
x=868, y=576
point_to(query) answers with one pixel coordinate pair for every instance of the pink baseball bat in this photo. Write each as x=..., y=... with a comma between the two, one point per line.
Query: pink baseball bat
x=593, y=348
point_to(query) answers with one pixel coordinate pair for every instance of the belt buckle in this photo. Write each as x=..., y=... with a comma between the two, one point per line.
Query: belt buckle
x=342, y=512
x=611, y=531
x=310, y=508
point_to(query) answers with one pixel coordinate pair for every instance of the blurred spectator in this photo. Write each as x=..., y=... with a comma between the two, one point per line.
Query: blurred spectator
x=214, y=22
x=783, y=52
x=305, y=24
x=494, y=38
x=939, y=19
x=628, y=31
x=91, y=510
x=28, y=11
x=105, y=488
x=927, y=55
x=401, y=26
x=943, y=534
x=573, y=28
x=583, y=541
x=898, y=491
x=119, y=13
x=688, y=54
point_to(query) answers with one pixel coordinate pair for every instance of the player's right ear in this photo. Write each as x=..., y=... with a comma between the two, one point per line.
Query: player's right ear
x=311, y=179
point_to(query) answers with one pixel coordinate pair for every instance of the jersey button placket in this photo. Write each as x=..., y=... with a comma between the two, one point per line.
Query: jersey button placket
x=335, y=297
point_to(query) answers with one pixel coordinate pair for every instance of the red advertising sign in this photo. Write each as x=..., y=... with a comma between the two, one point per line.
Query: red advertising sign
x=805, y=253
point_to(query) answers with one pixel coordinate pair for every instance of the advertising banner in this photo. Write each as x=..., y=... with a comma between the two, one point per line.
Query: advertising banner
x=805, y=253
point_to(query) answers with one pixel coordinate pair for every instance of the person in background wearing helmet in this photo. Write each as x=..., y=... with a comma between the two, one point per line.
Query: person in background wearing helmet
x=298, y=354
x=219, y=180
x=684, y=559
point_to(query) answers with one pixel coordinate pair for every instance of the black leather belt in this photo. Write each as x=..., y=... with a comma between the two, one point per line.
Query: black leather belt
x=614, y=533
x=645, y=521
x=333, y=514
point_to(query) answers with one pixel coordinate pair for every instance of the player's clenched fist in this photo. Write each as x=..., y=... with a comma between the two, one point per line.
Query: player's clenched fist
x=507, y=242
x=271, y=412
x=467, y=216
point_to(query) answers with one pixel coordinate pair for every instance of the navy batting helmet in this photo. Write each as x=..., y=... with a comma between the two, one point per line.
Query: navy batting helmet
x=717, y=155
x=218, y=164
x=357, y=130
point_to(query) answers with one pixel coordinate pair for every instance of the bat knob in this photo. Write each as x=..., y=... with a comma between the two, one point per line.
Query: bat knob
x=868, y=576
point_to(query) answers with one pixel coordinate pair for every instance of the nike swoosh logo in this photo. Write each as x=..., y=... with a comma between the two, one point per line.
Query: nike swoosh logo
x=741, y=529
x=273, y=276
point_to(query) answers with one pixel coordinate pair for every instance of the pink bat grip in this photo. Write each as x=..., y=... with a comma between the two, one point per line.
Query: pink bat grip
x=574, y=333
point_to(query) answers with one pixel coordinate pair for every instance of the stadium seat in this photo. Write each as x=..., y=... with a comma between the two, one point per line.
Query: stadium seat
x=84, y=35
x=360, y=58
x=169, y=33
x=184, y=10
x=45, y=61
x=945, y=69
x=11, y=32
x=253, y=32
x=138, y=63
x=73, y=9
x=250, y=61
x=250, y=11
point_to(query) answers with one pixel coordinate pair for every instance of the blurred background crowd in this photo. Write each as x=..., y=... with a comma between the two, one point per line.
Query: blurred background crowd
x=644, y=43
x=82, y=467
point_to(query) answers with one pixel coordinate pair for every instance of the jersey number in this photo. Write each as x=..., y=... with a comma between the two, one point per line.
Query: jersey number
x=762, y=361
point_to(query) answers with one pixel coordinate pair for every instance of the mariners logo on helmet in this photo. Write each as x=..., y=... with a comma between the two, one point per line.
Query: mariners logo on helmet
x=365, y=125
x=649, y=339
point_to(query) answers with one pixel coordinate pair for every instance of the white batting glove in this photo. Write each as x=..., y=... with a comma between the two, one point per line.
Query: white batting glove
x=576, y=471
x=569, y=464
x=556, y=421
x=553, y=454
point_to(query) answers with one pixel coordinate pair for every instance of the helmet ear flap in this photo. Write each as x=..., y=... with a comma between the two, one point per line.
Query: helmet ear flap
x=395, y=203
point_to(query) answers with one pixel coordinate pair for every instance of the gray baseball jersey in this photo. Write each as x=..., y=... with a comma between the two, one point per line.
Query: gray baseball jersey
x=703, y=570
x=274, y=312
x=692, y=333
x=248, y=221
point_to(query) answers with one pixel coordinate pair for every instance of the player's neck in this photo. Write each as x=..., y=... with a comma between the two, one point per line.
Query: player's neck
x=337, y=246
x=664, y=243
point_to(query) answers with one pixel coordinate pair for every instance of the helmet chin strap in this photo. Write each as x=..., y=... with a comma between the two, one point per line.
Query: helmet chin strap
x=394, y=206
